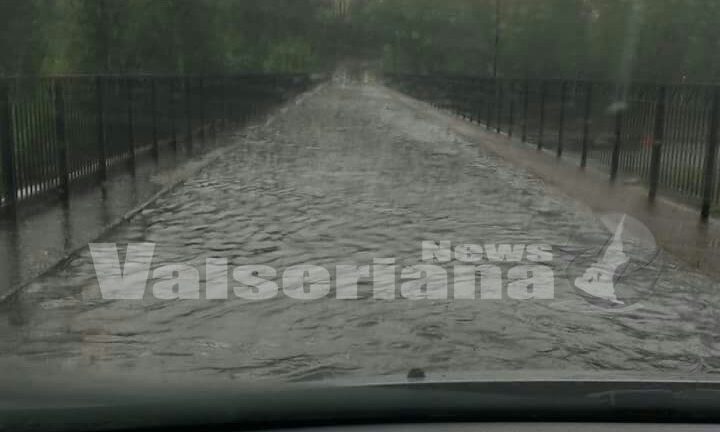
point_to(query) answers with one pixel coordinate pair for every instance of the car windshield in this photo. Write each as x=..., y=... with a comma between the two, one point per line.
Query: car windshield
x=329, y=191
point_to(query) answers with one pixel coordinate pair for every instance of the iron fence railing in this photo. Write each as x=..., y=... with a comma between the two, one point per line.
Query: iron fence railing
x=663, y=135
x=56, y=130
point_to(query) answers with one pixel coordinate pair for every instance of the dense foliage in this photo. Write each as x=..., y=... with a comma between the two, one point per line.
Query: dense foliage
x=659, y=40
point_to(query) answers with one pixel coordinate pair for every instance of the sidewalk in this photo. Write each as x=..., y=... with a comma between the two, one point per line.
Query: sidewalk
x=677, y=227
x=43, y=232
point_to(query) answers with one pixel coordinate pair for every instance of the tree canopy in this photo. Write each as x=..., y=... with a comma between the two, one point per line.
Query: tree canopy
x=655, y=40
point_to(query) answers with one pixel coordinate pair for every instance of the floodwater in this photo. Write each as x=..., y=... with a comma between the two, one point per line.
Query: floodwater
x=46, y=230
x=344, y=175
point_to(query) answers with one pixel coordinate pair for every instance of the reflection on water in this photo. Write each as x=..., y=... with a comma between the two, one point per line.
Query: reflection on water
x=41, y=234
x=350, y=174
x=46, y=230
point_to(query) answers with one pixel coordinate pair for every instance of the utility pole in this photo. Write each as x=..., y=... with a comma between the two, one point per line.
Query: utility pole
x=497, y=38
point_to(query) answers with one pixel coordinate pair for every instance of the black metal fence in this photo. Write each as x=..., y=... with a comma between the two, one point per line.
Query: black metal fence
x=56, y=130
x=663, y=135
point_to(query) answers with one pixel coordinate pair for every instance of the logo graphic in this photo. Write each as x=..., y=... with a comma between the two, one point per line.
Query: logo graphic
x=464, y=272
x=599, y=280
x=620, y=273
x=612, y=268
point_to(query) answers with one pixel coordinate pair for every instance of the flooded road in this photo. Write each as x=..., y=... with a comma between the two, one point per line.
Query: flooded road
x=344, y=175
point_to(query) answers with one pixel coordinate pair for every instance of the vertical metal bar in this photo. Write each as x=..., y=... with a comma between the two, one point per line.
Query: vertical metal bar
x=232, y=102
x=100, y=122
x=541, y=131
x=711, y=156
x=489, y=103
x=615, y=163
x=188, y=116
x=213, y=110
x=658, y=140
x=61, y=137
x=174, y=87
x=512, y=110
x=477, y=101
x=130, y=120
x=40, y=163
x=470, y=101
x=154, y=104
x=499, y=96
x=7, y=145
x=453, y=98
x=466, y=99
x=526, y=106
x=458, y=97
x=46, y=170
x=587, y=123
x=19, y=140
x=34, y=146
x=695, y=184
x=561, y=125
x=201, y=106
x=225, y=97
x=50, y=179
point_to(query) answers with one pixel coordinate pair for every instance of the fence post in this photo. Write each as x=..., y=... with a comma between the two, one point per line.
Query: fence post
x=561, y=125
x=658, y=141
x=587, y=122
x=7, y=144
x=467, y=113
x=458, y=96
x=201, y=107
x=60, y=135
x=100, y=122
x=541, y=132
x=471, y=101
x=232, y=102
x=174, y=87
x=512, y=109
x=526, y=106
x=711, y=156
x=154, y=105
x=225, y=104
x=214, y=115
x=499, y=94
x=615, y=164
x=489, y=105
x=188, y=115
x=477, y=102
x=130, y=120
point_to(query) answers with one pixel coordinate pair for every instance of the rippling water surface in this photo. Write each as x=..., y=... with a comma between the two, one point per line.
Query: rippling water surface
x=345, y=175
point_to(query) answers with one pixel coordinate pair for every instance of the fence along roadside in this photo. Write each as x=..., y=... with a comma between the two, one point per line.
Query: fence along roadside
x=57, y=130
x=665, y=136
